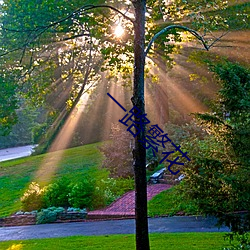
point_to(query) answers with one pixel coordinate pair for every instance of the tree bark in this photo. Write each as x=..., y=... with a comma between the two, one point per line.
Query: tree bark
x=139, y=152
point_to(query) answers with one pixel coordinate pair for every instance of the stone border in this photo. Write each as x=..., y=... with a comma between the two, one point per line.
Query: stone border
x=30, y=219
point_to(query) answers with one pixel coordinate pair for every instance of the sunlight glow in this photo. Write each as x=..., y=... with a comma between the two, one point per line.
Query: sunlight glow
x=119, y=31
x=52, y=160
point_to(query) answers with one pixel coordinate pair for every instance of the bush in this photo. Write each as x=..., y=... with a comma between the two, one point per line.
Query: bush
x=33, y=198
x=48, y=215
x=122, y=186
x=57, y=193
x=81, y=194
x=103, y=194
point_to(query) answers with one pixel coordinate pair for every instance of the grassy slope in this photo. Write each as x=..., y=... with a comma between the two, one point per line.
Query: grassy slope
x=171, y=241
x=16, y=175
x=169, y=202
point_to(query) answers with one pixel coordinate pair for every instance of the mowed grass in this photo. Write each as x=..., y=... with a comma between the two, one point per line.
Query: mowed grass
x=170, y=241
x=16, y=175
x=170, y=202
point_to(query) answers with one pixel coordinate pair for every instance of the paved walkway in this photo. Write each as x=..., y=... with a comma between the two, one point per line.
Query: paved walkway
x=17, y=152
x=125, y=206
x=156, y=225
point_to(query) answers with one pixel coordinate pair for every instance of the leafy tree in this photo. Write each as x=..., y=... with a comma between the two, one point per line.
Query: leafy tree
x=217, y=178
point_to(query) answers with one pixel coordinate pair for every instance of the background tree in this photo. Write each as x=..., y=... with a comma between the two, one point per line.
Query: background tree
x=8, y=105
x=117, y=152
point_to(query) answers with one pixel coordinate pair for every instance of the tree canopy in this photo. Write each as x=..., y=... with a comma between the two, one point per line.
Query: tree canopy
x=58, y=45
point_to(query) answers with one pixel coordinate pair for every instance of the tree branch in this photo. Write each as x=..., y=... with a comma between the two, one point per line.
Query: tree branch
x=42, y=29
x=112, y=8
x=218, y=38
x=74, y=13
x=166, y=29
x=87, y=8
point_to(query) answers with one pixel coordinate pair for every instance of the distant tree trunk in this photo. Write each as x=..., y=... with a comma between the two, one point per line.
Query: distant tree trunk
x=139, y=152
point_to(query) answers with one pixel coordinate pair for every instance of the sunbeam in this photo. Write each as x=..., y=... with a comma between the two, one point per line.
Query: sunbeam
x=61, y=142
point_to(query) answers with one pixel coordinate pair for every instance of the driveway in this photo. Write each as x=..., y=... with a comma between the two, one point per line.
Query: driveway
x=17, y=152
x=156, y=225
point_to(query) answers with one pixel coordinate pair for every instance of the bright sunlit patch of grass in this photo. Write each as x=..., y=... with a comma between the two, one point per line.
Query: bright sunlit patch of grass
x=170, y=241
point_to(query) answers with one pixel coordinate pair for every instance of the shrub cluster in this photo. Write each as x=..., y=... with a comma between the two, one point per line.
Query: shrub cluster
x=61, y=193
x=87, y=193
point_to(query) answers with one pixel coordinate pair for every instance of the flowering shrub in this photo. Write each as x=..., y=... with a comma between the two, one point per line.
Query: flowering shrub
x=33, y=197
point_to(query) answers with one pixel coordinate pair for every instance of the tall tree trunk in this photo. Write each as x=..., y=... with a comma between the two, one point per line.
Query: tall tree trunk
x=139, y=152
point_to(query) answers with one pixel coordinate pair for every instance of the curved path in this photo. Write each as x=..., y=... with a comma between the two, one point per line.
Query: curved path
x=156, y=225
x=125, y=206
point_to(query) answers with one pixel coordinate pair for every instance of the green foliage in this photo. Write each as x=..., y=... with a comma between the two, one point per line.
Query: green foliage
x=92, y=192
x=73, y=209
x=178, y=134
x=38, y=131
x=236, y=16
x=8, y=105
x=81, y=194
x=32, y=198
x=108, y=190
x=56, y=194
x=217, y=177
x=48, y=215
x=22, y=132
x=243, y=242
x=103, y=193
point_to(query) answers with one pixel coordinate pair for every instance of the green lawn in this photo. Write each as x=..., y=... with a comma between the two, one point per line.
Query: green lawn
x=16, y=175
x=170, y=202
x=170, y=241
